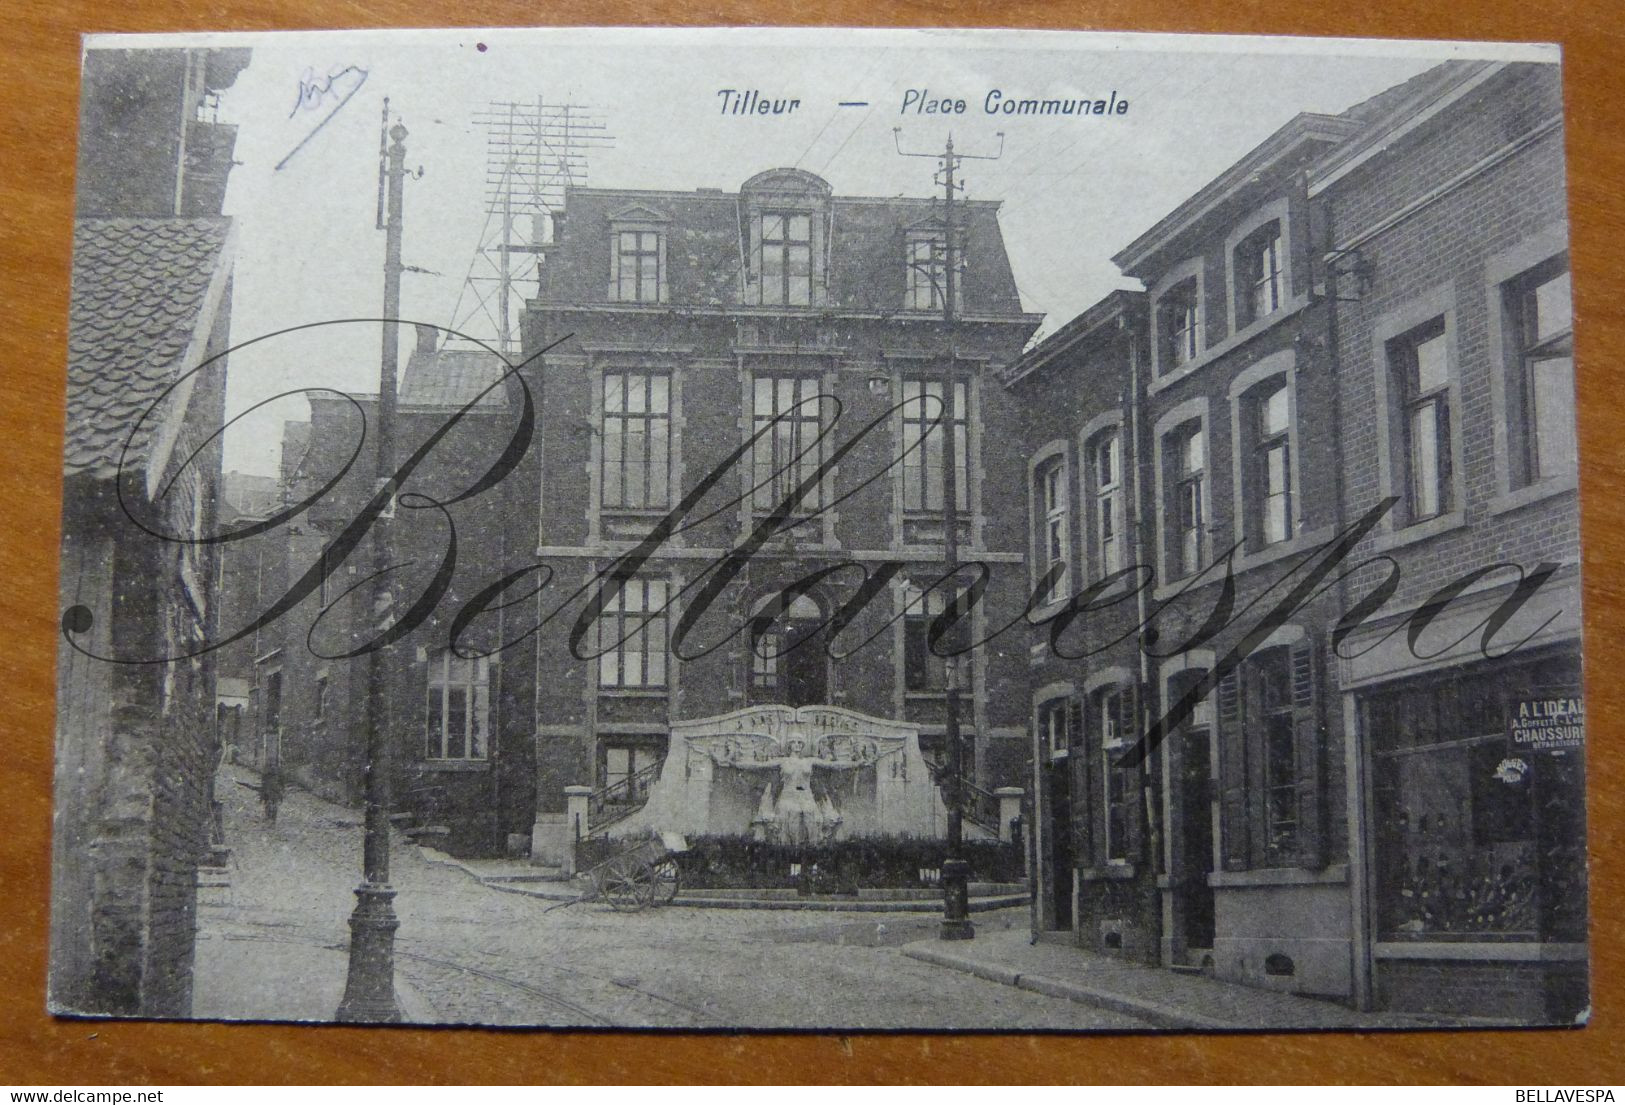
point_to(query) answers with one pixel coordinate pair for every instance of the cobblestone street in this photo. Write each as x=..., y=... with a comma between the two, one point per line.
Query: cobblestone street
x=479, y=955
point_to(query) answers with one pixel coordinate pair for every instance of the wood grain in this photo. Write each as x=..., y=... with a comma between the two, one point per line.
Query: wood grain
x=40, y=40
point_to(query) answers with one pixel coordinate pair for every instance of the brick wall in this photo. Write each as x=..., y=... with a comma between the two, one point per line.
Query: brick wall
x=1444, y=246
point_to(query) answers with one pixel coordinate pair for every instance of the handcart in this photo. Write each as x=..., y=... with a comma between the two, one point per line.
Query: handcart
x=641, y=875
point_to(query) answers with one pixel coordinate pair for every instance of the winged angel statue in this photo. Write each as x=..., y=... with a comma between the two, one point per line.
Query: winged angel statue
x=792, y=810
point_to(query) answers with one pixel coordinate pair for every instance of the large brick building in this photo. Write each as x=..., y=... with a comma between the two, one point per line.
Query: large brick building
x=1368, y=306
x=136, y=738
x=755, y=335
x=716, y=345
x=1453, y=339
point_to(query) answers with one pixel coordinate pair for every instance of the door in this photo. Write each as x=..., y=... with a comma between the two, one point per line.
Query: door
x=1060, y=835
x=805, y=665
x=1195, y=895
x=788, y=664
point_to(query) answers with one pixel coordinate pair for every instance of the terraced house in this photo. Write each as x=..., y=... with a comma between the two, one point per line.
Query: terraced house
x=1363, y=324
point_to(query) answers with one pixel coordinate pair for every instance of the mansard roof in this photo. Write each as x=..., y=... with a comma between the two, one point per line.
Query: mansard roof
x=708, y=230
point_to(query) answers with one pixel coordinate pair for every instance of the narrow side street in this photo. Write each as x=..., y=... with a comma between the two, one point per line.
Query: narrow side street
x=271, y=945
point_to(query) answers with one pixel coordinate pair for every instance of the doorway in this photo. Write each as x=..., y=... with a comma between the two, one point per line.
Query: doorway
x=1060, y=835
x=1194, y=901
x=788, y=664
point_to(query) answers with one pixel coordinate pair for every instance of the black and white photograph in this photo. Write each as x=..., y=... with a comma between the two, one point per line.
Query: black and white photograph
x=832, y=530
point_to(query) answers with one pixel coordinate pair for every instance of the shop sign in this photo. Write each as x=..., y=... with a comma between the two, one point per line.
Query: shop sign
x=1548, y=724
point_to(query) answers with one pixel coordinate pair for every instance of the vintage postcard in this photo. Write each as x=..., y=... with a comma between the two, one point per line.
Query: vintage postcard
x=820, y=529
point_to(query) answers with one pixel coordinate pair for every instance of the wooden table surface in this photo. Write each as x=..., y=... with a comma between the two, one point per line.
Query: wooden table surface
x=37, y=136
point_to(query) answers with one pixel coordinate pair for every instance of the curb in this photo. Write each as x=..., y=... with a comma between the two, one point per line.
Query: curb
x=530, y=889
x=1154, y=1013
x=981, y=905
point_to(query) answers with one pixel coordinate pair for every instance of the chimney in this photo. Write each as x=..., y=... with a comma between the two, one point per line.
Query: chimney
x=427, y=335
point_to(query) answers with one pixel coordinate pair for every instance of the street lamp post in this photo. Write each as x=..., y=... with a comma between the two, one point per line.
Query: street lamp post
x=369, y=990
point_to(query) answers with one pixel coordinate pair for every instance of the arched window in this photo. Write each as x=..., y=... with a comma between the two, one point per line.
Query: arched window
x=1054, y=536
x=1106, y=491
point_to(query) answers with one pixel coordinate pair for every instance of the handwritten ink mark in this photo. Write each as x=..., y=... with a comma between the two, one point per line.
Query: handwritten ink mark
x=313, y=91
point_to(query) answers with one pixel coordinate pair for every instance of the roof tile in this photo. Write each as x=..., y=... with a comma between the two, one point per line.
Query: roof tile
x=138, y=293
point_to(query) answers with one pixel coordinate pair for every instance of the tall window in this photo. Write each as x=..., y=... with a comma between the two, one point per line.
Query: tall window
x=924, y=421
x=786, y=259
x=1542, y=309
x=927, y=272
x=637, y=440
x=1185, y=468
x=458, y=718
x=1054, y=725
x=1053, y=535
x=786, y=452
x=1177, y=323
x=924, y=671
x=1111, y=721
x=1106, y=464
x=637, y=269
x=1272, y=671
x=1419, y=363
x=632, y=636
x=1259, y=274
x=1270, y=490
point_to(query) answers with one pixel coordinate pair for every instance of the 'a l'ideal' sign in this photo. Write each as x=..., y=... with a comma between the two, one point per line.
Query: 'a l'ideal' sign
x=1548, y=724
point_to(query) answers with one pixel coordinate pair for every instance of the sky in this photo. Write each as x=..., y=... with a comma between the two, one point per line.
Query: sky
x=1074, y=190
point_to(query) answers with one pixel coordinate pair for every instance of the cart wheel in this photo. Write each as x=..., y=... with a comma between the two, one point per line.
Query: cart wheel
x=627, y=886
x=668, y=880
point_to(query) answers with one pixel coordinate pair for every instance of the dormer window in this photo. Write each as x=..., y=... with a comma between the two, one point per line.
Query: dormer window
x=786, y=258
x=637, y=279
x=1260, y=276
x=637, y=256
x=785, y=230
x=927, y=272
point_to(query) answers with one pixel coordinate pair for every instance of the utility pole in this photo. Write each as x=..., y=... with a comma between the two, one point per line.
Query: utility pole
x=369, y=991
x=956, y=923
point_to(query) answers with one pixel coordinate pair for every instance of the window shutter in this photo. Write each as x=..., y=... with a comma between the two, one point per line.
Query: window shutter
x=1134, y=817
x=1232, y=773
x=1310, y=738
x=1083, y=810
x=753, y=249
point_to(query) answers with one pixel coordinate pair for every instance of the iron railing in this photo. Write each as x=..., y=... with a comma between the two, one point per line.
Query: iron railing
x=620, y=799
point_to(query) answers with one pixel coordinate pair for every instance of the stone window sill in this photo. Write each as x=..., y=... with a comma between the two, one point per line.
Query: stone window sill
x=1234, y=341
x=1302, y=543
x=1534, y=493
x=632, y=692
x=1111, y=872
x=457, y=765
x=1420, y=531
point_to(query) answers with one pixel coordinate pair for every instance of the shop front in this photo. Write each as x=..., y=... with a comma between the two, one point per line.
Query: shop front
x=1475, y=872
